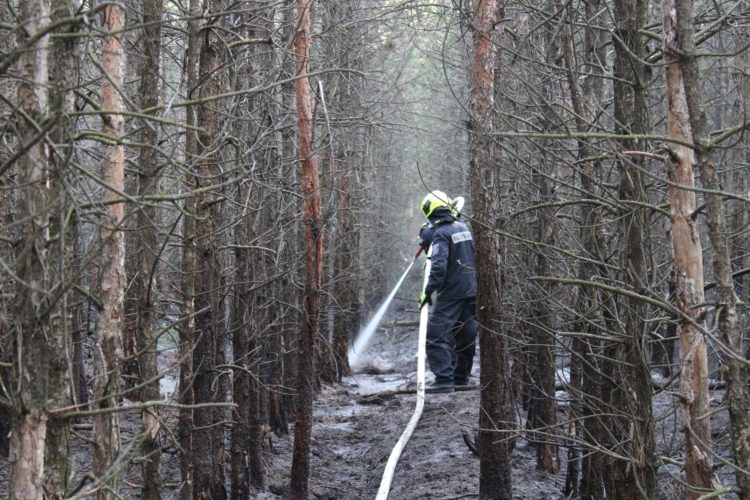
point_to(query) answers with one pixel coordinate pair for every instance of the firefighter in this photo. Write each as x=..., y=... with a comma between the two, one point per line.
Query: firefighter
x=452, y=327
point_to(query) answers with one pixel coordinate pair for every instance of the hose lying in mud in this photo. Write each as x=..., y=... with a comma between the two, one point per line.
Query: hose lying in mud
x=390, y=467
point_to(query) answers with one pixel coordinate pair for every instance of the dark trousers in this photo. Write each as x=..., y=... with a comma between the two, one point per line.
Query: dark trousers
x=451, y=339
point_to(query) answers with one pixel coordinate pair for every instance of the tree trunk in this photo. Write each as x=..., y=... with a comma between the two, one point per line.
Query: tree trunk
x=8, y=198
x=189, y=262
x=80, y=327
x=688, y=258
x=542, y=416
x=243, y=314
x=277, y=411
x=333, y=37
x=132, y=298
x=208, y=268
x=112, y=286
x=346, y=319
x=632, y=398
x=222, y=377
x=262, y=268
x=308, y=157
x=62, y=81
x=588, y=364
x=346, y=316
x=662, y=351
x=242, y=362
x=495, y=407
x=737, y=397
x=246, y=456
x=147, y=252
x=278, y=368
x=29, y=412
x=543, y=404
x=742, y=185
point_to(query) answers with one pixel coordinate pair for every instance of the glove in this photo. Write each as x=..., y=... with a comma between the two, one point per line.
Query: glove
x=424, y=299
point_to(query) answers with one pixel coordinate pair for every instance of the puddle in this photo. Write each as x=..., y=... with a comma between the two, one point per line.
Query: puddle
x=338, y=426
x=364, y=384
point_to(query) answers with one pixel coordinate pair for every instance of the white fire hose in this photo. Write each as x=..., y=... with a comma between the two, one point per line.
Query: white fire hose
x=390, y=467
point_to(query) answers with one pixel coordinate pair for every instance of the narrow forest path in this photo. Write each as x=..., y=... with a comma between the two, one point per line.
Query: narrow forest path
x=357, y=424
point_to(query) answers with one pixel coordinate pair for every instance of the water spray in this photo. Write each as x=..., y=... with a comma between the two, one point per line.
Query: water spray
x=363, y=339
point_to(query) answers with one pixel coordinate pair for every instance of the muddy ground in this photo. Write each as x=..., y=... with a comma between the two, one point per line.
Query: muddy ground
x=356, y=425
x=354, y=435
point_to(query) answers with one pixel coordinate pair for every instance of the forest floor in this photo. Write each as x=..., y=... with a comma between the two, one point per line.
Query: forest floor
x=356, y=424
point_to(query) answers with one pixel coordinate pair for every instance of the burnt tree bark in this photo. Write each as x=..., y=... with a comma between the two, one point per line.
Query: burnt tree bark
x=335, y=356
x=147, y=252
x=243, y=361
x=311, y=219
x=688, y=257
x=495, y=406
x=187, y=328
x=542, y=418
x=542, y=415
x=207, y=302
x=280, y=367
x=63, y=78
x=250, y=310
x=79, y=325
x=112, y=286
x=264, y=271
x=737, y=397
x=29, y=411
x=588, y=364
x=346, y=316
x=632, y=396
x=8, y=198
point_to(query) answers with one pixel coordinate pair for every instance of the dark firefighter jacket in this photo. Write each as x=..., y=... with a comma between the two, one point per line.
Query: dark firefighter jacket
x=452, y=271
